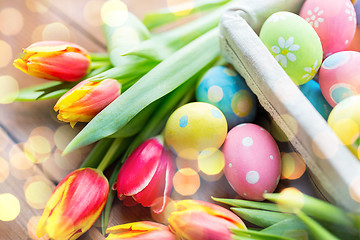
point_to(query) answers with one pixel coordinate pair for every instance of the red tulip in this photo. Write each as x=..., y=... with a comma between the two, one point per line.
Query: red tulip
x=74, y=206
x=54, y=60
x=146, y=175
x=197, y=220
x=86, y=99
x=140, y=231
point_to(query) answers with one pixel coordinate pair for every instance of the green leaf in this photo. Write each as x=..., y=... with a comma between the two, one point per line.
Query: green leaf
x=293, y=228
x=256, y=235
x=161, y=46
x=44, y=91
x=164, y=78
x=247, y=204
x=317, y=231
x=313, y=207
x=261, y=218
x=165, y=16
x=99, y=57
x=97, y=153
x=122, y=38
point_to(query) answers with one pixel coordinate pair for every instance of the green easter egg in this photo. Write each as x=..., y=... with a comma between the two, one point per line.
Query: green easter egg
x=294, y=44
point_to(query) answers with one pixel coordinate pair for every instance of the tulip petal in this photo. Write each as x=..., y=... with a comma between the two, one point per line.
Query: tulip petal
x=145, y=159
x=140, y=230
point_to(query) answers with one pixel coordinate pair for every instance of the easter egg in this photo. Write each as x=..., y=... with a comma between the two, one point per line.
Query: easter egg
x=227, y=90
x=339, y=76
x=344, y=120
x=195, y=127
x=312, y=92
x=294, y=44
x=252, y=161
x=357, y=10
x=334, y=22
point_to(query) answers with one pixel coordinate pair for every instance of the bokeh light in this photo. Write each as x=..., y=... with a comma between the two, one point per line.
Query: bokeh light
x=45, y=132
x=56, y=31
x=63, y=135
x=187, y=163
x=32, y=225
x=279, y=134
x=292, y=166
x=290, y=200
x=37, y=191
x=18, y=159
x=6, y=54
x=69, y=161
x=211, y=164
x=11, y=21
x=9, y=89
x=114, y=13
x=186, y=181
x=9, y=207
x=325, y=145
x=91, y=12
x=164, y=216
x=355, y=189
x=180, y=7
x=37, y=149
x=4, y=170
x=38, y=6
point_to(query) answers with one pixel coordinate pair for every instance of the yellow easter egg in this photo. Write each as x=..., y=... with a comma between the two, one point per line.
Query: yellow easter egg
x=344, y=120
x=195, y=127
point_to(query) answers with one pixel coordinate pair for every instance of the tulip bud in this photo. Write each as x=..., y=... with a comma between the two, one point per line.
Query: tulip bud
x=54, y=60
x=74, y=206
x=197, y=220
x=146, y=175
x=86, y=99
x=140, y=231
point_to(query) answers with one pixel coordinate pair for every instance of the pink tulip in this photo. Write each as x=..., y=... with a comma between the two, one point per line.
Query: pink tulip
x=146, y=175
x=140, y=231
x=54, y=60
x=198, y=220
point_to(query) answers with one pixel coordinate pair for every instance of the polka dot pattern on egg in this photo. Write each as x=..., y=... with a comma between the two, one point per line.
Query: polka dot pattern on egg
x=225, y=89
x=247, y=141
x=183, y=121
x=252, y=177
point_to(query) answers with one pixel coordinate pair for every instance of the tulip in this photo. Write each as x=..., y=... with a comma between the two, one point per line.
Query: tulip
x=146, y=176
x=197, y=220
x=86, y=99
x=54, y=60
x=140, y=231
x=74, y=206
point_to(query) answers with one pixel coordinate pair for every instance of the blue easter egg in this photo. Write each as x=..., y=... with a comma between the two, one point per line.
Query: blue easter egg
x=227, y=90
x=312, y=92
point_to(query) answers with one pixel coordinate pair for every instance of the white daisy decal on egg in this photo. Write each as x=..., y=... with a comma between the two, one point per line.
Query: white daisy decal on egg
x=285, y=50
x=314, y=17
x=350, y=11
x=311, y=71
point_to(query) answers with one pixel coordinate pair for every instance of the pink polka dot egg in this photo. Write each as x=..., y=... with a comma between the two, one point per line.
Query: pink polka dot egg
x=195, y=127
x=252, y=161
x=334, y=21
x=339, y=76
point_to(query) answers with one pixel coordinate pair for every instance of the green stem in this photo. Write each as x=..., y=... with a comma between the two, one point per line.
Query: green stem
x=315, y=228
x=111, y=154
x=95, y=57
x=97, y=153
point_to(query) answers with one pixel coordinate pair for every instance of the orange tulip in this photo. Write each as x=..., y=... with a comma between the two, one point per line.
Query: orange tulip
x=74, y=206
x=86, y=99
x=197, y=220
x=54, y=60
x=140, y=231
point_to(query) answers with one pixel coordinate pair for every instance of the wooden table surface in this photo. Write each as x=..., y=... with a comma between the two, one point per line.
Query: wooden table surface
x=32, y=140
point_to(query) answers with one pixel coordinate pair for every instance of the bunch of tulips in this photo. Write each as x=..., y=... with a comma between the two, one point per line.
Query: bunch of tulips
x=126, y=96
